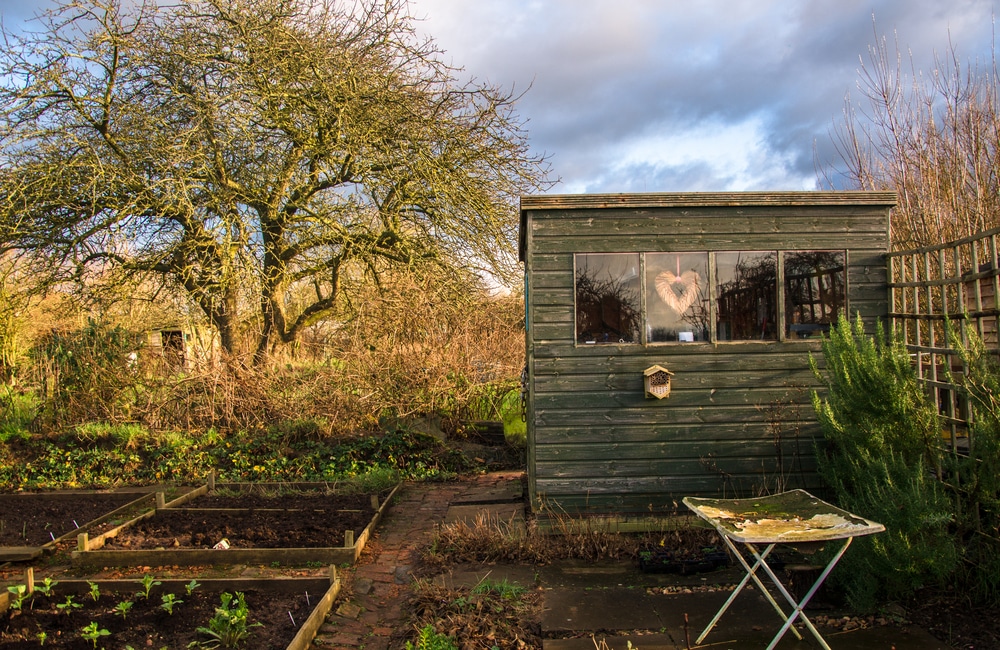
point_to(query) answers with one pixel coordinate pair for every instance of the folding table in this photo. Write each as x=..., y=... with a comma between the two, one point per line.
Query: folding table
x=795, y=518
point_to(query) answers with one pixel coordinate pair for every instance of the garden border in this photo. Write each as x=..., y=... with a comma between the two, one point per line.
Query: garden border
x=89, y=551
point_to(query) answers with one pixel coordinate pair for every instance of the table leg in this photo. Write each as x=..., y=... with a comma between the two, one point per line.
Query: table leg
x=798, y=607
x=751, y=573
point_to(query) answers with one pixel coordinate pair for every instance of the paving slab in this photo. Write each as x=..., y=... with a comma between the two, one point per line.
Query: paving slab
x=568, y=610
x=618, y=617
x=525, y=576
x=503, y=492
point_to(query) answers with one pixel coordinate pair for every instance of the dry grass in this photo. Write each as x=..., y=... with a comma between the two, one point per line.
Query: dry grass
x=490, y=539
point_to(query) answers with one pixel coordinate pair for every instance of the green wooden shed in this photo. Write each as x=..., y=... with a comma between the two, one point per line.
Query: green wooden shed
x=669, y=336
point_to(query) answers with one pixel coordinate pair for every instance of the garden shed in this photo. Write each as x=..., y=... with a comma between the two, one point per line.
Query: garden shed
x=669, y=339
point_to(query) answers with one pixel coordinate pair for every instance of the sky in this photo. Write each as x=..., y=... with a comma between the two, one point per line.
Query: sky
x=692, y=95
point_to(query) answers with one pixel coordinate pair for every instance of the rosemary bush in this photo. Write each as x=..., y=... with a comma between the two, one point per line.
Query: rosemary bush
x=880, y=457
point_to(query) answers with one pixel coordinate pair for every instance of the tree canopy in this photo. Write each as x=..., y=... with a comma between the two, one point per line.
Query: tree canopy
x=255, y=153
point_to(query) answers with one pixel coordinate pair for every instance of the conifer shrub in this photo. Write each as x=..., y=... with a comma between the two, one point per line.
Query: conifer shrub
x=880, y=455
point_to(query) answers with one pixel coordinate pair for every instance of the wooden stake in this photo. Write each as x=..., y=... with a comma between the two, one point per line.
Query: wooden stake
x=29, y=579
x=82, y=541
x=161, y=500
x=348, y=539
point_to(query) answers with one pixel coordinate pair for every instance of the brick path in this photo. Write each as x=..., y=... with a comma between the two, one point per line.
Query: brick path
x=369, y=608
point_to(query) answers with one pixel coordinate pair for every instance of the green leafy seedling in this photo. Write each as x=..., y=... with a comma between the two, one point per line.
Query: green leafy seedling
x=148, y=582
x=42, y=638
x=229, y=627
x=191, y=586
x=93, y=632
x=123, y=608
x=69, y=604
x=45, y=587
x=20, y=594
x=95, y=591
x=169, y=600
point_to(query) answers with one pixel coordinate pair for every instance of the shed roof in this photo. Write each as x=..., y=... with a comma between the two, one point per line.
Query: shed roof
x=694, y=200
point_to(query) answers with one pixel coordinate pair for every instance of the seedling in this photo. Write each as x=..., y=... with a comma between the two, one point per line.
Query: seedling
x=93, y=632
x=69, y=604
x=191, y=586
x=95, y=591
x=148, y=582
x=228, y=628
x=169, y=600
x=45, y=587
x=42, y=638
x=123, y=608
x=20, y=594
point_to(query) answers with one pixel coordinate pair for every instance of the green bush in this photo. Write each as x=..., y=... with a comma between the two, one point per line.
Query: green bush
x=17, y=411
x=880, y=455
x=515, y=429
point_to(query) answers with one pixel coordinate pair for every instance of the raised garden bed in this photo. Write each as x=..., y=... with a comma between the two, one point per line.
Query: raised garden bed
x=34, y=523
x=234, y=524
x=290, y=612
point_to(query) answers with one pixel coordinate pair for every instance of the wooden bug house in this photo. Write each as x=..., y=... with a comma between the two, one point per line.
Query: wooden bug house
x=732, y=293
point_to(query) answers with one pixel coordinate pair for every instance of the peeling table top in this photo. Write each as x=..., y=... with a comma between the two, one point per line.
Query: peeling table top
x=788, y=517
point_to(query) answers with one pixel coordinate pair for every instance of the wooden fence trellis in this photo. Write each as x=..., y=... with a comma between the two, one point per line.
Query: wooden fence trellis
x=957, y=283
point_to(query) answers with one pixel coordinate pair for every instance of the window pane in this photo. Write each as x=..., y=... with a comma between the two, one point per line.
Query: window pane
x=746, y=291
x=815, y=291
x=607, y=298
x=676, y=297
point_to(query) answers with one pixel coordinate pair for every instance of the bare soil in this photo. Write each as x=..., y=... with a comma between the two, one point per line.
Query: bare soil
x=36, y=519
x=251, y=521
x=147, y=624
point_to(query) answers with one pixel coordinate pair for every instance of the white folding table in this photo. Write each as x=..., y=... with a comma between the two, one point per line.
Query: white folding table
x=795, y=518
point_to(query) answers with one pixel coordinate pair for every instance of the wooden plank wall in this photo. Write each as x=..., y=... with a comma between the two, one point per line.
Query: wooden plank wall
x=739, y=421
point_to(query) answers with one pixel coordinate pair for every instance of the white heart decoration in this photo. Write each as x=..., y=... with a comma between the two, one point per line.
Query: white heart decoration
x=678, y=291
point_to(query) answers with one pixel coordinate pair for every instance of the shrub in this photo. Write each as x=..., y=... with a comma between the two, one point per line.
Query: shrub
x=975, y=476
x=881, y=438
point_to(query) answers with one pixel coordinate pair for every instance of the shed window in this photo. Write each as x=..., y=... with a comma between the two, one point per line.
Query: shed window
x=671, y=297
x=815, y=291
x=747, y=295
x=608, y=306
x=677, y=306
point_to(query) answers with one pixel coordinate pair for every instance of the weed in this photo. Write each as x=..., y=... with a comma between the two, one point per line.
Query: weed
x=503, y=589
x=95, y=591
x=430, y=639
x=93, y=632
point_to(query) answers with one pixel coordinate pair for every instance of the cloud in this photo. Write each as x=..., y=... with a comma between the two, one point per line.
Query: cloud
x=662, y=94
x=720, y=94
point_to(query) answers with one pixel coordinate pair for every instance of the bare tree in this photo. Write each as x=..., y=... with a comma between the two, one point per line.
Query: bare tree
x=242, y=149
x=933, y=138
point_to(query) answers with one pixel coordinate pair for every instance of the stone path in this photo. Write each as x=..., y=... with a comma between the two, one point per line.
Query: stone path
x=369, y=609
